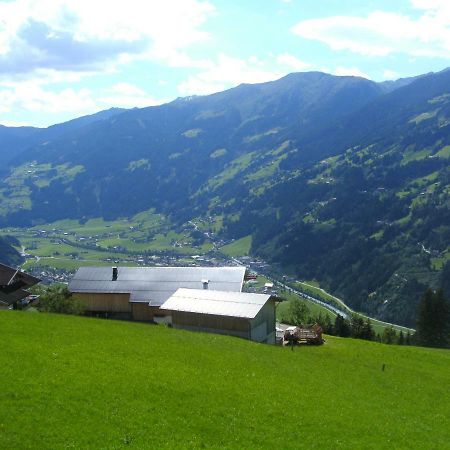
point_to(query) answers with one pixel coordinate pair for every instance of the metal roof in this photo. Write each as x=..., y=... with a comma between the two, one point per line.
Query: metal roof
x=12, y=282
x=204, y=301
x=154, y=285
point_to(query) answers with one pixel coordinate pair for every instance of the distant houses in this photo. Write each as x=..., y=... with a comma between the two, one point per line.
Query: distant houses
x=194, y=298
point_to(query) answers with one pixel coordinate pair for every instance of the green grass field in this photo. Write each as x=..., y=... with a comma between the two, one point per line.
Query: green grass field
x=313, y=308
x=73, y=382
x=240, y=247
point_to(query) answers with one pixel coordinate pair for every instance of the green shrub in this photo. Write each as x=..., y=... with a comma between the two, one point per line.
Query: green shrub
x=56, y=298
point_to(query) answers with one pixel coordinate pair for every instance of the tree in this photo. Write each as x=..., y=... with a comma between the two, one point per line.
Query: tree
x=341, y=327
x=367, y=331
x=389, y=336
x=297, y=312
x=408, y=338
x=433, y=323
x=401, y=338
x=57, y=298
x=357, y=326
x=445, y=279
x=324, y=321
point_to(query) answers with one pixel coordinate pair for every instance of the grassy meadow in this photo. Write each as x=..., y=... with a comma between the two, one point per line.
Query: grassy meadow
x=240, y=247
x=74, y=382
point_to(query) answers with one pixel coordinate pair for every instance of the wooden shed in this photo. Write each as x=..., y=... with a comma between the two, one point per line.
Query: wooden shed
x=138, y=292
x=250, y=316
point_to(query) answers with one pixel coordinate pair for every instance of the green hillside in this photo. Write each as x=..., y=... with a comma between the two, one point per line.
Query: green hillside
x=70, y=382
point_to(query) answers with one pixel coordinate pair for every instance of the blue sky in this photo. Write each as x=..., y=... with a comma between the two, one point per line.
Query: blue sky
x=61, y=59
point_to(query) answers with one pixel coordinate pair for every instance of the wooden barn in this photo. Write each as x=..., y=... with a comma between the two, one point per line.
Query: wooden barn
x=138, y=292
x=13, y=285
x=250, y=316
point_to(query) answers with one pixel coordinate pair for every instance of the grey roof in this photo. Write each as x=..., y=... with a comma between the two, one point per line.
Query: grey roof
x=204, y=301
x=12, y=284
x=154, y=285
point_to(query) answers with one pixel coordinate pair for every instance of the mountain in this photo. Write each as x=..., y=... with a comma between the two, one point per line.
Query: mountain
x=8, y=254
x=338, y=179
x=392, y=85
x=15, y=140
x=163, y=155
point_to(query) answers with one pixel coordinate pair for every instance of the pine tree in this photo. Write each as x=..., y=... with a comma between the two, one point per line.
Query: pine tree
x=341, y=327
x=367, y=331
x=358, y=327
x=389, y=335
x=433, y=324
x=408, y=338
x=401, y=338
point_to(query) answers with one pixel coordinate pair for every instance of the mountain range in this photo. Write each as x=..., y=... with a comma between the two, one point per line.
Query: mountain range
x=338, y=179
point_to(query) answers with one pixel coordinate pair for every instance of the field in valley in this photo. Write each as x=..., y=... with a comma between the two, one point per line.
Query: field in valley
x=69, y=244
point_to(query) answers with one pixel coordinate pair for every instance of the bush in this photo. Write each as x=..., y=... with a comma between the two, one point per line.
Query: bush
x=56, y=298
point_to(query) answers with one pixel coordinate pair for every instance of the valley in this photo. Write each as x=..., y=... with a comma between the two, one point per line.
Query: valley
x=54, y=251
x=327, y=178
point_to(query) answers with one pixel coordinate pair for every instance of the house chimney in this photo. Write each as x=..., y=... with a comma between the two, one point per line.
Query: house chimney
x=115, y=273
x=205, y=283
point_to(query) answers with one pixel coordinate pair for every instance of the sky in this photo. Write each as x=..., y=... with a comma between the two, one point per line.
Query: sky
x=61, y=59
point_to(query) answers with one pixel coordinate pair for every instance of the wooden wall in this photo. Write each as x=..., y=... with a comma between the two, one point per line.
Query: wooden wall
x=143, y=312
x=114, y=303
x=232, y=326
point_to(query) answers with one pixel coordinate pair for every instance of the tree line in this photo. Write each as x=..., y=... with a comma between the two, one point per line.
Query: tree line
x=433, y=323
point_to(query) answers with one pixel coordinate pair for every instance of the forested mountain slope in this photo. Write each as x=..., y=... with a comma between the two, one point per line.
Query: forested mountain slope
x=161, y=156
x=337, y=178
x=15, y=140
x=9, y=255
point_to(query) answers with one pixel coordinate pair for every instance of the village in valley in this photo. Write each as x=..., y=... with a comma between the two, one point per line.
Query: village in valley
x=69, y=252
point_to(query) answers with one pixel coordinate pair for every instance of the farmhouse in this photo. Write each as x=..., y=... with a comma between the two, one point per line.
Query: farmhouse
x=250, y=316
x=13, y=284
x=138, y=292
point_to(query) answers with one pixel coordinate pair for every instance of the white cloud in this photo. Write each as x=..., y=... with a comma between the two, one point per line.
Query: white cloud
x=293, y=63
x=224, y=73
x=34, y=97
x=30, y=96
x=382, y=33
x=13, y=123
x=84, y=34
x=350, y=71
x=390, y=74
x=127, y=95
x=441, y=7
